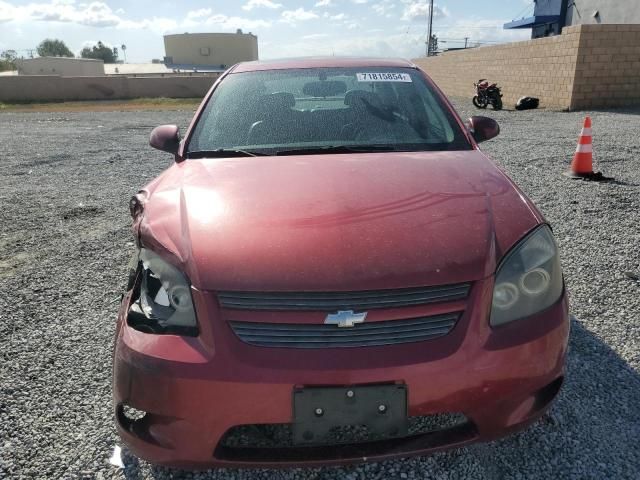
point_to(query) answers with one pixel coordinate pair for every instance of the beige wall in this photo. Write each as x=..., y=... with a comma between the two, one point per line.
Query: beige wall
x=70, y=67
x=608, y=68
x=211, y=49
x=55, y=88
x=587, y=66
x=541, y=68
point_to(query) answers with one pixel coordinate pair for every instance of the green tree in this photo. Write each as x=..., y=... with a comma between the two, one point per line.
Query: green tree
x=8, y=60
x=52, y=47
x=101, y=52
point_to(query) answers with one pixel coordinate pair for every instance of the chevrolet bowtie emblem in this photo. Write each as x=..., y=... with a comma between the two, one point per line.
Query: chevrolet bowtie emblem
x=345, y=318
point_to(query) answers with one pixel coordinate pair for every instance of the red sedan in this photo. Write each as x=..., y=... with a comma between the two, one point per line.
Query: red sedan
x=331, y=272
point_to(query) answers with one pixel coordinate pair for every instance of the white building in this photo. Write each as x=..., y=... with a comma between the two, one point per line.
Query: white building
x=63, y=66
x=211, y=51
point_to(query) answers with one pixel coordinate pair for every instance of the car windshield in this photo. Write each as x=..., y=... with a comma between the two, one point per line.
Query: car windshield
x=280, y=112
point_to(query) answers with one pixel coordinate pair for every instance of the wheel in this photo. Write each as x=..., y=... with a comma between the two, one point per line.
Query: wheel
x=479, y=102
x=497, y=103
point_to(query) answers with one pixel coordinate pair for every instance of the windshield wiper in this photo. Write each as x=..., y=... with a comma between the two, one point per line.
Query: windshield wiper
x=337, y=149
x=223, y=153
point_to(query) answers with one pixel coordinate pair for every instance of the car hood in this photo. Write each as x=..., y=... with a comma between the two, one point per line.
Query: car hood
x=335, y=222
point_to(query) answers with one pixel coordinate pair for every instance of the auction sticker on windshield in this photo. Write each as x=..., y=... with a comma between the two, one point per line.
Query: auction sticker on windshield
x=384, y=77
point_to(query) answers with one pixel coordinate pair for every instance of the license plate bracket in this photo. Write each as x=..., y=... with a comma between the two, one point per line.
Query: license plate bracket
x=318, y=412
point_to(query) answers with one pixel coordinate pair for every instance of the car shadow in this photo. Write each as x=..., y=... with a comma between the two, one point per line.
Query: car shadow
x=131, y=470
x=592, y=431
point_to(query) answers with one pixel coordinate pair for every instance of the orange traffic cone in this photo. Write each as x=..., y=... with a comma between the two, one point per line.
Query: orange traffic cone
x=582, y=164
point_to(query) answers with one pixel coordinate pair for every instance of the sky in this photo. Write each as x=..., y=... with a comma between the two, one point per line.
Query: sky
x=285, y=28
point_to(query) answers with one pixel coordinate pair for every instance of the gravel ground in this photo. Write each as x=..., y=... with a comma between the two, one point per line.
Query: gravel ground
x=65, y=180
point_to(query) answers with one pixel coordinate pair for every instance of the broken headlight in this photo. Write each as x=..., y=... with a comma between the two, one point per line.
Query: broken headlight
x=162, y=300
x=528, y=280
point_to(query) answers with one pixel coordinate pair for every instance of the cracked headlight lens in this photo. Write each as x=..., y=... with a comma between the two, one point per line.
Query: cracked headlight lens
x=528, y=280
x=163, y=303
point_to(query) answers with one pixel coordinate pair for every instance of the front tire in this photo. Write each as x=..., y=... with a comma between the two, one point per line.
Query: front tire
x=478, y=102
x=497, y=103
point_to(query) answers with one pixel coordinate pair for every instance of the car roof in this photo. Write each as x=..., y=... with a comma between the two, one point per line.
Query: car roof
x=321, y=62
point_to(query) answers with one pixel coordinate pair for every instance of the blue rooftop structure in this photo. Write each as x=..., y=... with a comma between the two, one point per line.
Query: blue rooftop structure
x=548, y=18
x=532, y=21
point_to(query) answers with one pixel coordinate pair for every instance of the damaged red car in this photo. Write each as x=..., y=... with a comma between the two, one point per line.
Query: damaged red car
x=331, y=271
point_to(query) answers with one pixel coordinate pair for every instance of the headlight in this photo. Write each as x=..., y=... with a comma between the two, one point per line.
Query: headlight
x=162, y=302
x=528, y=280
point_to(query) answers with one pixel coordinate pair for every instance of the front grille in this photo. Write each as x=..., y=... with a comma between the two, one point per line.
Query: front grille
x=332, y=301
x=280, y=435
x=253, y=448
x=371, y=334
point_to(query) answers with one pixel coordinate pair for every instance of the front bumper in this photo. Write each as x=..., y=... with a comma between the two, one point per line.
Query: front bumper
x=196, y=389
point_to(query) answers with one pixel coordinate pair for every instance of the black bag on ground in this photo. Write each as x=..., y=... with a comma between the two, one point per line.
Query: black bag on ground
x=527, y=103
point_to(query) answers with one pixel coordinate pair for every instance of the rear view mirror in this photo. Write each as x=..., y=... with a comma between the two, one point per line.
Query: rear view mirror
x=483, y=128
x=166, y=138
x=326, y=88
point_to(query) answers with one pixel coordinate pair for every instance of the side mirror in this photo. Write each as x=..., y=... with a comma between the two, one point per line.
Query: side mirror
x=483, y=128
x=166, y=138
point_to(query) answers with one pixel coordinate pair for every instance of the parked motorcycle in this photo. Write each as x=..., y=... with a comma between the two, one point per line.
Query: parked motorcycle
x=486, y=94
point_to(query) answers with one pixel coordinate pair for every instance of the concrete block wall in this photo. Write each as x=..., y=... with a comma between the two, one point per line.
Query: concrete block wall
x=587, y=66
x=541, y=68
x=608, y=67
x=56, y=88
